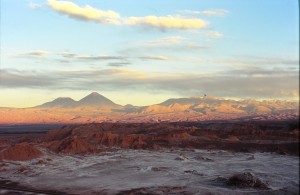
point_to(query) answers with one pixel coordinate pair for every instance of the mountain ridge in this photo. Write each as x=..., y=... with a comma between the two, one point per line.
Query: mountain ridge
x=97, y=108
x=200, y=104
x=59, y=102
x=93, y=99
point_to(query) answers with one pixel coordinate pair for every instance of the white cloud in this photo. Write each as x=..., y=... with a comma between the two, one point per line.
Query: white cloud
x=155, y=58
x=39, y=52
x=213, y=34
x=167, y=40
x=263, y=61
x=33, y=5
x=167, y=22
x=98, y=57
x=174, y=43
x=35, y=53
x=84, y=13
x=213, y=12
x=88, y=13
x=89, y=57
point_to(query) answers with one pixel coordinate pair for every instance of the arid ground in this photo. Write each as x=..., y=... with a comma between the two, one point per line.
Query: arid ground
x=153, y=158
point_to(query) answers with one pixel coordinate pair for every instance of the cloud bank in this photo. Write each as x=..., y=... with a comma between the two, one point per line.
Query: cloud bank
x=241, y=83
x=88, y=13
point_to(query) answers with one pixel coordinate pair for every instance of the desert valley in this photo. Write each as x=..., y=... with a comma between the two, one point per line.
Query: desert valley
x=194, y=145
x=132, y=97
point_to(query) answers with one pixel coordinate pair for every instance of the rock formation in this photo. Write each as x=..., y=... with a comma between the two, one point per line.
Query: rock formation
x=280, y=137
x=247, y=180
x=20, y=152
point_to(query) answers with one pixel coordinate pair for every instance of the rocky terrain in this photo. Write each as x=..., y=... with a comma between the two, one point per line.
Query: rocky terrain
x=199, y=145
x=97, y=108
x=268, y=136
x=165, y=171
x=153, y=158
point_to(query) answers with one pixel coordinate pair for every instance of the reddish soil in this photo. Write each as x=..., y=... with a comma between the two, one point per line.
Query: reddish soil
x=72, y=145
x=281, y=137
x=269, y=137
x=20, y=152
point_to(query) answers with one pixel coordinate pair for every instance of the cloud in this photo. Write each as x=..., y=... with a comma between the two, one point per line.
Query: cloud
x=259, y=61
x=19, y=79
x=33, y=5
x=173, y=42
x=213, y=34
x=213, y=12
x=241, y=83
x=67, y=54
x=63, y=61
x=66, y=57
x=88, y=13
x=36, y=53
x=118, y=64
x=154, y=58
x=89, y=57
x=167, y=40
x=165, y=44
x=235, y=83
x=96, y=57
x=105, y=76
x=167, y=22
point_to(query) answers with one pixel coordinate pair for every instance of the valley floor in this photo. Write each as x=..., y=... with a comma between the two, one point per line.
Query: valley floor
x=232, y=157
x=155, y=172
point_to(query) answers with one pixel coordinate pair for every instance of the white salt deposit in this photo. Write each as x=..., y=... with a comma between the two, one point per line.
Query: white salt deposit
x=128, y=169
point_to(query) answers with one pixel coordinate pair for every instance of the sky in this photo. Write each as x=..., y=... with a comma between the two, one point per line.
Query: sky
x=144, y=52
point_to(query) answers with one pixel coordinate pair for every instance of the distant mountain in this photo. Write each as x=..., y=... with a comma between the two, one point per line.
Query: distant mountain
x=192, y=100
x=211, y=105
x=95, y=99
x=92, y=100
x=64, y=102
x=97, y=108
x=132, y=109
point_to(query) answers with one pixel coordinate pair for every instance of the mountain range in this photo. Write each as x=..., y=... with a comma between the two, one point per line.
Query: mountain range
x=97, y=108
x=92, y=100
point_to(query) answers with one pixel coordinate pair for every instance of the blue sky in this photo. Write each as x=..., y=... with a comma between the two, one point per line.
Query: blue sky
x=143, y=52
